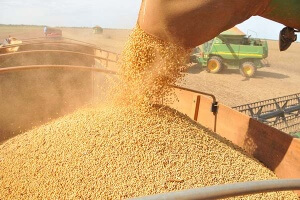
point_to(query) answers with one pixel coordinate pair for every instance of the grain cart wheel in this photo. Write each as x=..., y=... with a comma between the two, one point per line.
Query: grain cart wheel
x=248, y=69
x=214, y=65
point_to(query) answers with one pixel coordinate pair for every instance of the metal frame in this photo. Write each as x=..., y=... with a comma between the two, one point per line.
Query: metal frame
x=50, y=43
x=214, y=105
x=61, y=42
x=282, y=113
x=57, y=51
x=65, y=67
x=227, y=190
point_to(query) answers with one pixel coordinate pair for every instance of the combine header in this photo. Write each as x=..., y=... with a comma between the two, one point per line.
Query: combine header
x=282, y=113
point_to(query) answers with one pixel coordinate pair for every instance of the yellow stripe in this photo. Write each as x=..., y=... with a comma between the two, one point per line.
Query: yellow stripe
x=241, y=54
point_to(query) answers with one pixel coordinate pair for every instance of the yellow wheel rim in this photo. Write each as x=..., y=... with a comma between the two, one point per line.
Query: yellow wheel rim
x=248, y=70
x=213, y=66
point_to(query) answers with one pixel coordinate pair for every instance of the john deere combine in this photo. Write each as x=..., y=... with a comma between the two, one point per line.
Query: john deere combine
x=234, y=50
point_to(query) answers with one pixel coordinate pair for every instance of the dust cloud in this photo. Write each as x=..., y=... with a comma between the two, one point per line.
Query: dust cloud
x=31, y=98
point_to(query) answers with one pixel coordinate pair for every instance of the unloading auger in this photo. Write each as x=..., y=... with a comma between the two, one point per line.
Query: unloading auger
x=193, y=23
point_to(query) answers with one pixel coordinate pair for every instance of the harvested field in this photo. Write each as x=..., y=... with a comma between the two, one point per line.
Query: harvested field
x=281, y=78
x=20, y=32
x=120, y=152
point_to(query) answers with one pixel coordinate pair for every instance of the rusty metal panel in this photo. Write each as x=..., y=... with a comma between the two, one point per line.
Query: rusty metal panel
x=233, y=125
x=275, y=149
x=109, y=60
x=205, y=116
x=186, y=103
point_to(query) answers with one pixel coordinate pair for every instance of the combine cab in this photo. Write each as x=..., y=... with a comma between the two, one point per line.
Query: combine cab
x=233, y=50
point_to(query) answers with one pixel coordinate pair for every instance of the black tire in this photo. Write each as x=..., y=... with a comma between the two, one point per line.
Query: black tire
x=215, y=65
x=248, y=69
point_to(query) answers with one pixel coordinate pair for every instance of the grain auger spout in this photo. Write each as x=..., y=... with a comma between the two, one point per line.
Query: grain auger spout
x=193, y=23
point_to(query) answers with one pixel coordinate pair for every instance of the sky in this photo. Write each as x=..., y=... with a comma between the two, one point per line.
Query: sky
x=105, y=13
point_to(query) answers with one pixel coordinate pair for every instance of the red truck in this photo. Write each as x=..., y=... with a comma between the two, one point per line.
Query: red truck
x=52, y=32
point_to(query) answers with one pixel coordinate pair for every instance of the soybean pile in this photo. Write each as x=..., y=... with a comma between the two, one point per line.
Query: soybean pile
x=119, y=150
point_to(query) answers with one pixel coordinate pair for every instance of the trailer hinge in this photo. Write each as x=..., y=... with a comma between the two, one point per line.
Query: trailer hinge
x=214, y=107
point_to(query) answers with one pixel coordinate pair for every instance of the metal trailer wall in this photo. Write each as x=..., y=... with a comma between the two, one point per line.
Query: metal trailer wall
x=277, y=150
x=51, y=79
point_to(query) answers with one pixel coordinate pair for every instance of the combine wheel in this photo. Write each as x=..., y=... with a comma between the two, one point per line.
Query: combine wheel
x=248, y=69
x=214, y=64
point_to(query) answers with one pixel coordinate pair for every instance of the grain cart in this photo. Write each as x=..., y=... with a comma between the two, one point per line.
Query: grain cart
x=234, y=50
x=194, y=23
x=278, y=151
x=275, y=149
x=55, y=62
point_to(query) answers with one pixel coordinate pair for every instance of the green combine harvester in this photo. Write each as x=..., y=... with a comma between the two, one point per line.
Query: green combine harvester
x=232, y=49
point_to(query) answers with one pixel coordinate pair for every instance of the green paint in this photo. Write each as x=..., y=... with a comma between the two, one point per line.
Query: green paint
x=284, y=11
x=296, y=135
x=234, y=50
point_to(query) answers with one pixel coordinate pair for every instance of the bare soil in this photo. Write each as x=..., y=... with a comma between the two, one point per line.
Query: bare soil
x=282, y=77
